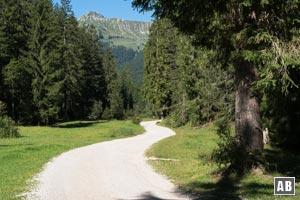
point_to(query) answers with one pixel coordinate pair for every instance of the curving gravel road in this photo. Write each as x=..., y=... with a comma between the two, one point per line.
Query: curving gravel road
x=114, y=170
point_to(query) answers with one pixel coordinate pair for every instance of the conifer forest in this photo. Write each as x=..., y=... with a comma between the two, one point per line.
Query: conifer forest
x=52, y=70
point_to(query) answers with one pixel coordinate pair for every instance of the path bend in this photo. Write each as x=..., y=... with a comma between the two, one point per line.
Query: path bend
x=113, y=170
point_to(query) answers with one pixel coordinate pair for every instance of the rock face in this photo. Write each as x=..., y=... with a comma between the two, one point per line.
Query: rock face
x=118, y=32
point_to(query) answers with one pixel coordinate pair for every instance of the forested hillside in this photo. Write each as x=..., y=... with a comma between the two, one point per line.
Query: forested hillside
x=133, y=60
x=126, y=39
x=53, y=70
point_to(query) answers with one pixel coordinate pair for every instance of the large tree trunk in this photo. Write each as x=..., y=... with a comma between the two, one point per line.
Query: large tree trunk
x=247, y=113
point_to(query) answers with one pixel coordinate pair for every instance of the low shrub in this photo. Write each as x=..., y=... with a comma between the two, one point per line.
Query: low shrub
x=230, y=156
x=173, y=121
x=126, y=132
x=136, y=120
x=107, y=114
x=97, y=110
x=7, y=128
x=2, y=109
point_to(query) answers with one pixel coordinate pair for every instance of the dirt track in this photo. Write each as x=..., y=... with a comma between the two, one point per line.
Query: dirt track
x=111, y=170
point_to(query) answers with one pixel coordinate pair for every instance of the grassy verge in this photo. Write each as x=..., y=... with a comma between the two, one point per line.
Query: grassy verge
x=194, y=172
x=22, y=158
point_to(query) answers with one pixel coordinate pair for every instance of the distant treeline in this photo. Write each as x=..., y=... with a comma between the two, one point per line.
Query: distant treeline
x=53, y=70
x=129, y=57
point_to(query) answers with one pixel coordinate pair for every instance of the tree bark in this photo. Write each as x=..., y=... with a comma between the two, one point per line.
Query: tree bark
x=247, y=113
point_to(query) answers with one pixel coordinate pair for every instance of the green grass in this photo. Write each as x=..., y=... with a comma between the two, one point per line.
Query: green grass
x=196, y=173
x=22, y=158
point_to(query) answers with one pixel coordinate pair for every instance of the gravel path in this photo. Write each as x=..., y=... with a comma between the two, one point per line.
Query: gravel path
x=114, y=170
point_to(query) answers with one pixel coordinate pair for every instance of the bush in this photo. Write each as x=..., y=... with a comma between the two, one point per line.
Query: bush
x=230, y=156
x=7, y=128
x=174, y=120
x=107, y=114
x=97, y=110
x=2, y=109
x=129, y=113
x=223, y=126
x=227, y=152
x=136, y=120
x=170, y=122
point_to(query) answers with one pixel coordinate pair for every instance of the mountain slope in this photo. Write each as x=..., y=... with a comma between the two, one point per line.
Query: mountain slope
x=118, y=32
x=126, y=38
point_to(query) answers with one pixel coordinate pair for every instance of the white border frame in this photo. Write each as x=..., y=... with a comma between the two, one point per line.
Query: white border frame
x=285, y=194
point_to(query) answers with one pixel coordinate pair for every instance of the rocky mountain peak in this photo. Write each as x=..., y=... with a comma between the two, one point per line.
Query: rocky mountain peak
x=91, y=16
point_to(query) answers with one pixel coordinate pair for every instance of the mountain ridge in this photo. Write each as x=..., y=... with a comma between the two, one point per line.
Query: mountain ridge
x=118, y=32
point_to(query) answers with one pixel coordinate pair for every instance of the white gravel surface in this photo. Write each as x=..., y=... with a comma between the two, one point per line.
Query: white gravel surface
x=111, y=170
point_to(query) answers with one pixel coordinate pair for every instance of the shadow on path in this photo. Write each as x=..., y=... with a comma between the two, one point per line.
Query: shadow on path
x=147, y=196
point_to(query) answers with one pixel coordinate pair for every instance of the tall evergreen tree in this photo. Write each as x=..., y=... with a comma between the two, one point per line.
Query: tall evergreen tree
x=116, y=101
x=43, y=59
x=159, y=62
x=14, y=33
x=70, y=61
x=17, y=81
x=93, y=88
x=127, y=89
x=109, y=66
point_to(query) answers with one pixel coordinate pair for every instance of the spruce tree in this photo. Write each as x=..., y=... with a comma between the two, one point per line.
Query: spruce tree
x=14, y=34
x=114, y=101
x=110, y=74
x=159, y=62
x=127, y=89
x=17, y=81
x=70, y=61
x=43, y=59
x=93, y=88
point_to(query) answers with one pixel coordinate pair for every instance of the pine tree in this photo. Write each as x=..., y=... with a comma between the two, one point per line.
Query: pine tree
x=109, y=66
x=159, y=62
x=93, y=88
x=70, y=61
x=14, y=33
x=127, y=89
x=17, y=80
x=114, y=101
x=185, y=88
x=43, y=61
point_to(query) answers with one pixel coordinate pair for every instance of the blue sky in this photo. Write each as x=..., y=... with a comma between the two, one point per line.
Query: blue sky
x=109, y=8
